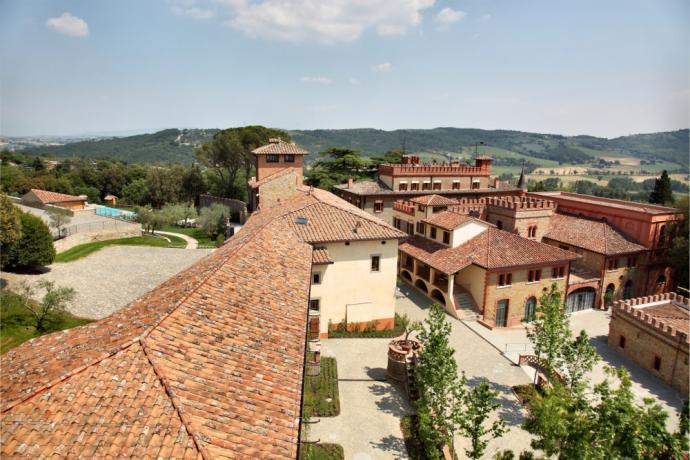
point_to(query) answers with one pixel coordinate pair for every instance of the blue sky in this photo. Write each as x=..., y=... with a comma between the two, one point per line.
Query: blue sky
x=605, y=68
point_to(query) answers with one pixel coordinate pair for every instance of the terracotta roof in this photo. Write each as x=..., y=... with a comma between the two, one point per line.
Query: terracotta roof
x=608, y=202
x=434, y=200
x=207, y=364
x=375, y=187
x=53, y=197
x=279, y=146
x=592, y=235
x=279, y=173
x=491, y=249
x=449, y=220
x=320, y=256
x=110, y=196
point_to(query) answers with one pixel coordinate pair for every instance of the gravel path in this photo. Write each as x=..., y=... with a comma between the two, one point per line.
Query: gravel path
x=112, y=277
x=191, y=242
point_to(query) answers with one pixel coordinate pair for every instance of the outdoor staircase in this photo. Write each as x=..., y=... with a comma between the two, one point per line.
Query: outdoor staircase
x=465, y=306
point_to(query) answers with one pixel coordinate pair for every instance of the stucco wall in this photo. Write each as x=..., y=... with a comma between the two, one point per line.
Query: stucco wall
x=466, y=233
x=472, y=280
x=350, y=281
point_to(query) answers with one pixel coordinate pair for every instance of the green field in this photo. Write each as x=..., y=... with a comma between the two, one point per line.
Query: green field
x=17, y=324
x=198, y=234
x=84, y=250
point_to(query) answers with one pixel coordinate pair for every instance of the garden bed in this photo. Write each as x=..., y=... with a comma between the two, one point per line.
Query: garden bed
x=525, y=393
x=339, y=331
x=321, y=452
x=321, y=397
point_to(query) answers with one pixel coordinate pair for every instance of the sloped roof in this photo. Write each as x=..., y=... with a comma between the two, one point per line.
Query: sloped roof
x=207, y=364
x=449, y=220
x=434, y=200
x=279, y=146
x=491, y=249
x=47, y=197
x=590, y=234
x=320, y=256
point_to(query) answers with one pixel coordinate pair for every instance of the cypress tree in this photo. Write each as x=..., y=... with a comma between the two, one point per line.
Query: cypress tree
x=662, y=193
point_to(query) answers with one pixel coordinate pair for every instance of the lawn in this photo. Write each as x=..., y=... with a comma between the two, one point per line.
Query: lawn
x=84, y=250
x=321, y=397
x=198, y=234
x=338, y=331
x=321, y=452
x=17, y=324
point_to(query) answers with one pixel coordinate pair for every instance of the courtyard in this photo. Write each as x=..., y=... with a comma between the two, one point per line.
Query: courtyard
x=110, y=278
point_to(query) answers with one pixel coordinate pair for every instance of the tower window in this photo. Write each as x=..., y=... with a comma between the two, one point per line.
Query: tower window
x=272, y=158
x=375, y=263
x=289, y=158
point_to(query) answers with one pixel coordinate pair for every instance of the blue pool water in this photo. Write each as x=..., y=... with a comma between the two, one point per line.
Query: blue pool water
x=106, y=211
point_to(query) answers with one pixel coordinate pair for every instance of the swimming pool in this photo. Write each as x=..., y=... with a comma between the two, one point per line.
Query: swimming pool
x=106, y=211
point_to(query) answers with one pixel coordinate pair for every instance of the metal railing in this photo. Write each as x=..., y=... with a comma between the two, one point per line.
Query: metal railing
x=90, y=227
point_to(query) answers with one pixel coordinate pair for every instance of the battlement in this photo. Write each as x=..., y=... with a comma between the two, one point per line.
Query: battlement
x=433, y=170
x=635, y=308
x=475, y=206
x=521, y=203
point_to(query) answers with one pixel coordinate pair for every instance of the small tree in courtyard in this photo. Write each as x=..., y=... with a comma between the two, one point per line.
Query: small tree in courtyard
x=213, y=219
x=480, y=403
x=58, y=220
x=54, y=300
x=441, y=390
x=34, y=247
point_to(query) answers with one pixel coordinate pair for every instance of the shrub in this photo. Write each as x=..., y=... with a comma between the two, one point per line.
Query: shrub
x=35, y=247
x=213, y=219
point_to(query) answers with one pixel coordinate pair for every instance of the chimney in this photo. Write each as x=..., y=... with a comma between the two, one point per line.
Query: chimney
x=349, y=182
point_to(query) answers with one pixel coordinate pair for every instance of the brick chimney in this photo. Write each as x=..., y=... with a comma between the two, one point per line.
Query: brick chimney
x=349, y=182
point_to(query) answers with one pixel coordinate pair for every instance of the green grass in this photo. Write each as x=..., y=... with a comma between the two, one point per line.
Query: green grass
x=197, y=233
x=84, y=250
x=17, y=324
x=321, y=391
x=338, y=331
x=321, y=452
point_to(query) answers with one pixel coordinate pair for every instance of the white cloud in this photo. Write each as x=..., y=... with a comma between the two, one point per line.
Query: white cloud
x=326, y=22
x=69, y=25
x=194, y=13
x=449, y=16
x=382, y=68
x=319, y=80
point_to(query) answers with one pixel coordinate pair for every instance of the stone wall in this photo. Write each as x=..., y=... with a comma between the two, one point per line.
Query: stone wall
x=122, y=230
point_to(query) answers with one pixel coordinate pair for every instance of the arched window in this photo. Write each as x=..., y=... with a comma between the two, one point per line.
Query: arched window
x=499, y=225
x=532, y=231
x=608, y=296
x=530, y=309
x=662, y=234
x=661, y=279
x=627, y=289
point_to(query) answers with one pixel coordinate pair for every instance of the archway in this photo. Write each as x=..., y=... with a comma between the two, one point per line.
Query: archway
x=405, y=274
x=580, y=299
x=530, y=309
x=660, y=286
x=421, y=285
x=608, y=294
x=437, y=295
x=628, y=289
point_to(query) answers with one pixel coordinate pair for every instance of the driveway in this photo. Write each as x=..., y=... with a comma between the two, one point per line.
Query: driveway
x=371, y=408
x=112, y=277
x=480, y=361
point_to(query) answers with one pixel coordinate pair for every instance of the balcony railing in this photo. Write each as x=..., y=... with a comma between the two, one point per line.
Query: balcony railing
x=404, y=207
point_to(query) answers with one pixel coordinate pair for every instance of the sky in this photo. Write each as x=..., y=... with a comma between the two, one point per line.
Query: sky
x=604, y=68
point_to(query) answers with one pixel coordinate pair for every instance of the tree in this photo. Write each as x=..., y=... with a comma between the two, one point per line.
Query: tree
x=678, y=251
x=54, y=300
x=136, y=192
x=441, y=390
x=390, y=157
x=10, y=223
x=151, y=219
x=193, y=183
x=577, y=359
x=35, y=247
x=177, y=212
x=58, y=220
x=480, y=403
x=336, y=165
x=213, y=219
x=662, y=193
x=164, y=185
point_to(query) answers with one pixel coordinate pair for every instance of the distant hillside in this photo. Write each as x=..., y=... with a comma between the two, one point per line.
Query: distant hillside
x=512, y=147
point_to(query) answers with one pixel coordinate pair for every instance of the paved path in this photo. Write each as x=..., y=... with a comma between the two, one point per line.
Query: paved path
x=368, y=426
x=113, y=276
x=480, y=361
x=513, y=341
x=191, y=242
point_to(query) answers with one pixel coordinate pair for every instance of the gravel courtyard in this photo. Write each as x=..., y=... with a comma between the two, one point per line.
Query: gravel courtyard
x=112, y=277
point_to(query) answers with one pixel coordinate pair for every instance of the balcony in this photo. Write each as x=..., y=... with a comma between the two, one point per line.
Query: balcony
x=404, y=207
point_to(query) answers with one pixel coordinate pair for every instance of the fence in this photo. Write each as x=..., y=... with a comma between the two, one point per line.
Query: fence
x=91, y=227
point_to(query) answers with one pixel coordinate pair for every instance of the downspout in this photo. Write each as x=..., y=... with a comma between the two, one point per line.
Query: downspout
x=304, y=371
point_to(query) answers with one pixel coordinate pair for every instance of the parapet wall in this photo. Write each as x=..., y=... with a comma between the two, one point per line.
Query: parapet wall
x=433, y=170
x=627, y=308
x=521, y=203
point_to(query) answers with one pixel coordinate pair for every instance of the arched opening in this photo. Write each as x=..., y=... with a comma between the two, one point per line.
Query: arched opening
x=437, y=295
x=530, y=309
x=580, y=299
x=608, y=294
x=660, y=284
x=499, y=225
x=405, y=274
x=662, y=234
x=421, y=285
x=628, y=289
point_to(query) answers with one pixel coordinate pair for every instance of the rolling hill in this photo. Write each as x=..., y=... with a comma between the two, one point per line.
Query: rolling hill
x=509, y=147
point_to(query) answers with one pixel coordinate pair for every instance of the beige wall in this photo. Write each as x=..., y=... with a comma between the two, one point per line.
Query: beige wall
x=349, y=281
x=472, y=280
x=466, y=233
x=446, y=181
x=277, y=189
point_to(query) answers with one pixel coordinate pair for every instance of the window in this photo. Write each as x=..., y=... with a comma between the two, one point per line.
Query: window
x=628, y=289
x=499, y=225
x=613, y=264
x=632, y=262
x=432, y=232
x=437, y=186
x=421, y=228
x=421, y=208
x=402, y=186
x=505, y=279
x=657, y=363
x=378, y=206
x=397, y=223
x=375, y=263
x=289, y=158
x=314, y=305
x=532, y=231
x=446, y=237
x=456, y=185
x=557, y=272
x=272, y=158
x=534, y=276
x=316, y=278
x=426, y=185
x=414, y=186
x=475, y=185
x=530, y=309
x=410, y=228
x=621, y=341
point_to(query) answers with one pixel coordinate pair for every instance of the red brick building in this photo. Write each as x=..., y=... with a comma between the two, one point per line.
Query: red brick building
x=653, y=332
